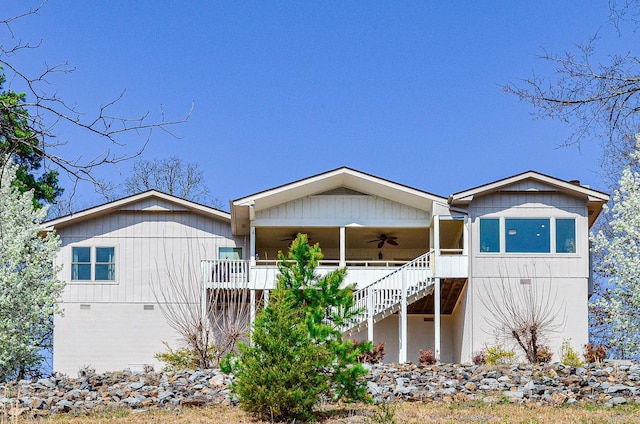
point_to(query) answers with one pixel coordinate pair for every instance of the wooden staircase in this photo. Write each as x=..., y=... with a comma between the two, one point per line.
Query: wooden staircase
x=378, y=300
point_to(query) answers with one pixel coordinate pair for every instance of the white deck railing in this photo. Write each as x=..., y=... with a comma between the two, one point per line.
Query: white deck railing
x=382, y=278
x=383, y=297
x=336, y=263
x=225, y=273
x=406, y=283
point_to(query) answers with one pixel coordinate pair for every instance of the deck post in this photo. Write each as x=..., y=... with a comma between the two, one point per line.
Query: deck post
x=252, y=246
x=370, y=294
x=203, y=296
x=252, y=310
x=436, y=318
x=343, y=243
x=265, y=295
x=402, y=321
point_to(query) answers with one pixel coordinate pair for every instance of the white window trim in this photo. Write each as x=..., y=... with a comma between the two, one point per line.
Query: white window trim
x=552, y=237
x=92, y=281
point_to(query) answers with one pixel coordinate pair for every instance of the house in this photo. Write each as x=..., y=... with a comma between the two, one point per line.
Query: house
x=431, y=271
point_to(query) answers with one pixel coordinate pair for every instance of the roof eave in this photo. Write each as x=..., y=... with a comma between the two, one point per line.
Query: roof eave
x=115, y=205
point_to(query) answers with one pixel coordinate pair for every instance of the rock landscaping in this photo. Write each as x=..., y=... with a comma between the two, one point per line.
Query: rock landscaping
x=608, y=384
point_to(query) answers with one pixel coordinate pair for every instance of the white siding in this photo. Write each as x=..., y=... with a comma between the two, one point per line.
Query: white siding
x=147, y=246
x=531, y=205
x=113, y=330
x=566, y=273
x=327, y=210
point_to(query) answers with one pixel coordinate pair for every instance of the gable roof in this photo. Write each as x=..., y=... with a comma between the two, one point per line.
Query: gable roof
x=325, y=182
x=596, y=199
x=122, y=204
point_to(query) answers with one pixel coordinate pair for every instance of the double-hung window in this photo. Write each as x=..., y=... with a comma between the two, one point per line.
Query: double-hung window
x=93, y=264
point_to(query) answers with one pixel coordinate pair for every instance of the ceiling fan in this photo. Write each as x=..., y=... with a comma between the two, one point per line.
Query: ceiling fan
x=383, y=238
x=293, y=236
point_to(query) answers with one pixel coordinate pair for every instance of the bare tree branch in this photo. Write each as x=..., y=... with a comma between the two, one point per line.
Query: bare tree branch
x=171, y=176
x=523, y=313
x=45, y=110
x=597, y=96
x=213, y=331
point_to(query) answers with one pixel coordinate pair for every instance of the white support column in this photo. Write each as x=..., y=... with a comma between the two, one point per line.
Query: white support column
x=343, y=244
x=252, y=309
x=436, y=319
x=265, y=293
x=402, y=322
x=436, y=234
x=370, y=297
x=203, y=295
x=465, y=235
x=431, y=237
x=252, y=246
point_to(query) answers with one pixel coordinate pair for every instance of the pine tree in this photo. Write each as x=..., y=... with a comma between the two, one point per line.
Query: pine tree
x=281, y=376
x=297, y=354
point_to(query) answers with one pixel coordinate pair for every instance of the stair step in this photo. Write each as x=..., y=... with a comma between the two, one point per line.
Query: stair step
x=391, y=304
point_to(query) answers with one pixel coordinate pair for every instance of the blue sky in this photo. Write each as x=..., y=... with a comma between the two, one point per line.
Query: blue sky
x=408, y=91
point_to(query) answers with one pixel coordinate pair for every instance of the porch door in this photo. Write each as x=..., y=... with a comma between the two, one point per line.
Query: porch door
x=231, y=253
x=231, y=268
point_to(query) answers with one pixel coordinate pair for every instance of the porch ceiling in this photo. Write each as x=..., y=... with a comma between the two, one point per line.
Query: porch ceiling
x=356, y=237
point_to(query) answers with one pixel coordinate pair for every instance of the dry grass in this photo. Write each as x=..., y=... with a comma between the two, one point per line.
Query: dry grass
x=393, y=413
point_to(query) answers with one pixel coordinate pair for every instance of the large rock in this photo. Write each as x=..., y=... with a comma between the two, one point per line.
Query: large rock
x=554, y=384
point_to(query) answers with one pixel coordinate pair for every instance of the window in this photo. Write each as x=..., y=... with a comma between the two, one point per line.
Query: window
x=230, y=253
x=531, y=235
x=93, y=264
x=489, y=235
x=81, y=263
x=527, y=235
x=105, y=264
x=565, y=235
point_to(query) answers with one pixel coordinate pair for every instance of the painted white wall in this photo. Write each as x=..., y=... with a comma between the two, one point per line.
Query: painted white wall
x=563, y=277
x=420, y=336
x=567, y=296
x=116, y=331
x=462, y=331
x=329, y=211
x=109, y=336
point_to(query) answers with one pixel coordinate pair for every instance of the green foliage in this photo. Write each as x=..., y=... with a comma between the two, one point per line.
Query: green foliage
x=297, y=354
x=497, y=355
x=19, y=143
x=282, y=375
x=182, y=358
x=29, y=288
x=385, y=413
x=568, y=355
